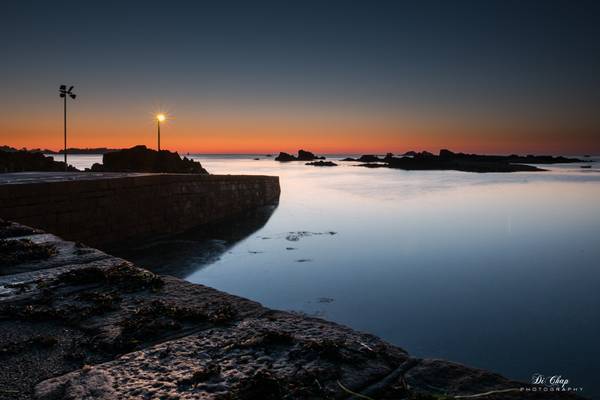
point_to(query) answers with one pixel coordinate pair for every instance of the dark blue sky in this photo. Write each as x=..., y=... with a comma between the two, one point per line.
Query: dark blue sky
x=533, y=63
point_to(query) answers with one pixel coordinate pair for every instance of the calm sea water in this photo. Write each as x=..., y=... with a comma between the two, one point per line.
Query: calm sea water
x=498, y=271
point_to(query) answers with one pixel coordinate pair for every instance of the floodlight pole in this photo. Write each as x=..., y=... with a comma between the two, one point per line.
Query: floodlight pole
x=158, y=125
x=65, y=123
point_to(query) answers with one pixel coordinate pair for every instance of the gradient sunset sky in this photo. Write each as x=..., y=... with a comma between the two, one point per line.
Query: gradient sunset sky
x=329, y=76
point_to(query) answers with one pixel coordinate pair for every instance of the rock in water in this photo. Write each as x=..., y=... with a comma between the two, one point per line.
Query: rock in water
x=143, y=159
x=449, y=160
x=322, y=164
x=303, y=155
x=369, y=158
x=285, y=157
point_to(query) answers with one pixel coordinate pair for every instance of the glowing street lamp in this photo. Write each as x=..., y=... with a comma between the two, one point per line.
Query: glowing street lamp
x=64, y=93
x=159, y=118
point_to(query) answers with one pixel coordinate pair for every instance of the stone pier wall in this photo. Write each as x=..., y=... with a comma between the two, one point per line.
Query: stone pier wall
x=109, y=209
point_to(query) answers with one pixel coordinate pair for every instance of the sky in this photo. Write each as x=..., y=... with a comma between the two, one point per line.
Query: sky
x=328, y=76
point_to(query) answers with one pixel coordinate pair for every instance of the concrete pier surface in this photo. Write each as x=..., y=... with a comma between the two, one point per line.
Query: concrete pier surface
x=13, y=178
x=77, y=323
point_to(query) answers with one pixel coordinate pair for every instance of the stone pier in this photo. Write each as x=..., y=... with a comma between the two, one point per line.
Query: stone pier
x=101, y=209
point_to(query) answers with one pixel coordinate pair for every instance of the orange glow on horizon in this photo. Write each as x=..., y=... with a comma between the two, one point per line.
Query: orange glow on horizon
x=262, y=135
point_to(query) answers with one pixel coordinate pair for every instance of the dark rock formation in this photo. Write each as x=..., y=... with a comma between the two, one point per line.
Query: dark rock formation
x=308, y=156
x=11, y=229
x=303, y=155
x=448, y=160
x=21, y=161
x=369, y=158
x=143, y=159
x=285, y=157
x=8, y=149
x=95, y=150
x=322, y=164
x=70, y=150
x=366, y=158
x=513, y=158
x=38, y=150
x=374, y=165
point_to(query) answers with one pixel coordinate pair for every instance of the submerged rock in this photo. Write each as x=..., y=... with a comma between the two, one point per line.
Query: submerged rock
x=143, y=159
x=322, y=164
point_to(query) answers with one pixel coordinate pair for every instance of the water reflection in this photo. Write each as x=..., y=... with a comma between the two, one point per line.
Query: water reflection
x=498, y=271
x=183, y=254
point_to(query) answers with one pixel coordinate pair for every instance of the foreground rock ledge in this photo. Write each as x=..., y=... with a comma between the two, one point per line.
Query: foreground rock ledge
x=76, y=323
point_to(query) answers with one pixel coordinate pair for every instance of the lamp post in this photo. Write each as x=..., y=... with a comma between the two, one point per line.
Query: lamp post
x=64, y=93
x=159, y=118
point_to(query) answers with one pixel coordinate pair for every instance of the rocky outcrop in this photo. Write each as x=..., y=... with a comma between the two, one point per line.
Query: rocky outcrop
x=36, y=150
x=322, y=164
x=21, y=161
x=143, y=159
x=366, y=158
x=369, y=158
x=93, y=150
x=102, y=328
x=513, y=158
x=285, y=157
x=303, y=155
x=428, y=161
x=448, y=160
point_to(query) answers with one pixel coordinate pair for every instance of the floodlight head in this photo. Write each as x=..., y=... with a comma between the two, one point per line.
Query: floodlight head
x=161, y=117
x=63, y=87
x=72, y=95
x=71, y=88
x=62, y=95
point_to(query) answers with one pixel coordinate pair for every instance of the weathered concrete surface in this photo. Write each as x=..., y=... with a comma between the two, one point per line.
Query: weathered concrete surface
x=61, y=176
x=108, y=208
x=102, y=328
